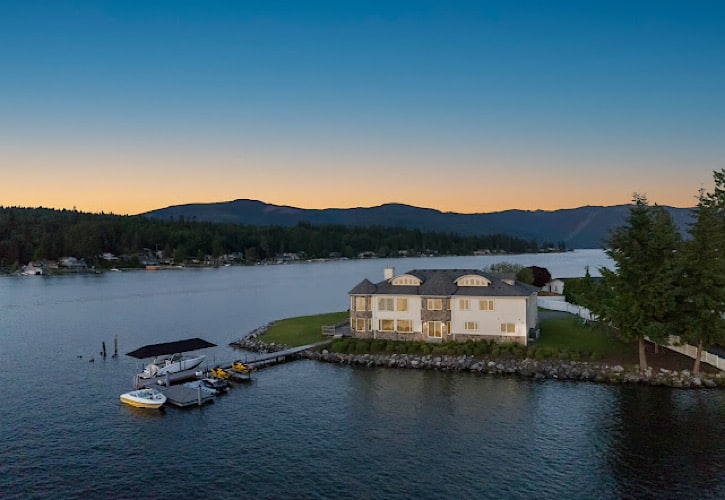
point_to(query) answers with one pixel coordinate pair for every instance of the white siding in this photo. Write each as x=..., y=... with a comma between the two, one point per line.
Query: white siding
x=413, y=313
x=505, y=310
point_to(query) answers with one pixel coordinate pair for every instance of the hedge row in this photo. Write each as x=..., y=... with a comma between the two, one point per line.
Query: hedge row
x=479, y=348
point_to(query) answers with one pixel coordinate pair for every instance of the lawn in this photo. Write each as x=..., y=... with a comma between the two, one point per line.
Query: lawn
x=567, y=333
x=301, y=330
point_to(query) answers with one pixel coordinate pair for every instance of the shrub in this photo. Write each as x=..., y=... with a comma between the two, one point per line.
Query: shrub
x=564, y=355
x=362, y=347
x=339, y=346
x=596, y=356
x=469, y=348
x=411, y=348
x=575, y=356
x=482, y=348
x=378, y=345
x=519, y=351
x=544, y=353
x=495, y=351
x=449, y=348
x=391, y=347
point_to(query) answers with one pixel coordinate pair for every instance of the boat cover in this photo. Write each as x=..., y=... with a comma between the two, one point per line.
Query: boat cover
x=153, y=350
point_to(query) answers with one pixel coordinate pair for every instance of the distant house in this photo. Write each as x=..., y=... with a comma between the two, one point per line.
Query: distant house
x=443, y=304
x=32, y=269
x=556, y=285
x=72, y=263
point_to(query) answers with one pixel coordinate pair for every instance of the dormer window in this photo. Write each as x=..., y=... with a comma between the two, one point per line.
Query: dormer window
x=405, y=280
x=472, y=280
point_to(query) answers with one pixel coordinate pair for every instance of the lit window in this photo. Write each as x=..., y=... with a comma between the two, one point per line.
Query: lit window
x=464, y=304
x=470, y=325
x=485, y=304
x=385, y=304
x=402, y=304
x=508, y=328
x=387, y=325
x=434, y=328
x=359, y=303
x=404, y=325
x=360, y=324
x=435, y=304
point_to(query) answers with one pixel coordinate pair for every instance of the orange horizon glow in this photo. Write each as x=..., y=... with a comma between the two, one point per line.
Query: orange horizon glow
x=145, y=201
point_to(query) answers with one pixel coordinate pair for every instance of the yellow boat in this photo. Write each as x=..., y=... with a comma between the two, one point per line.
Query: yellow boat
x=241, y=367
x=219, y=372
x=144, y=398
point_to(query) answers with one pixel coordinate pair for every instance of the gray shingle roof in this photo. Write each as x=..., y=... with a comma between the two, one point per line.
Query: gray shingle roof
x=441, y=283
x=365, y=287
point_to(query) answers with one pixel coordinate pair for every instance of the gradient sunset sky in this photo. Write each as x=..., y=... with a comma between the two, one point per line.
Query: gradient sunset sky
x=129, y=106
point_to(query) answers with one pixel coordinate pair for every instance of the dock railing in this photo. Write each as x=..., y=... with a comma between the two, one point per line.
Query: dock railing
x=339, y=330
x=328, y=330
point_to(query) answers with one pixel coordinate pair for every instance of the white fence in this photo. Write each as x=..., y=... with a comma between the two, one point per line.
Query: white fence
x=556, y=304
x=562, y=305
x=691, y=351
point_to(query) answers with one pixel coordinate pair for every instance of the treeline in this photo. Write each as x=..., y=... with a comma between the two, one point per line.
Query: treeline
x=31, y=234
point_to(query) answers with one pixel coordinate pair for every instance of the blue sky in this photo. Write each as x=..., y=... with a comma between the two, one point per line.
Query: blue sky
x=463, y=106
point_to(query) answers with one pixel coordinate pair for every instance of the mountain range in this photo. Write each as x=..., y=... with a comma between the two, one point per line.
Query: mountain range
x=583, y=227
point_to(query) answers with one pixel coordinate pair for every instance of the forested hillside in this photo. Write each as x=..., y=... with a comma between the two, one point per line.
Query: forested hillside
x=38, y=233
x=583, y=227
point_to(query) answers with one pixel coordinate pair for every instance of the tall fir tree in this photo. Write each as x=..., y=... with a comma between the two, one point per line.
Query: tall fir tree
x=640, y=299
x=701, y=291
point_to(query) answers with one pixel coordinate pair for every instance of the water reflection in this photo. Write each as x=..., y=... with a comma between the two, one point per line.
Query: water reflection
x=670, y=443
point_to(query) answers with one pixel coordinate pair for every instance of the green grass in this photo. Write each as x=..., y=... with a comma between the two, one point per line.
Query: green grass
x=561, y=338
x=302, y=329
x=568, y=334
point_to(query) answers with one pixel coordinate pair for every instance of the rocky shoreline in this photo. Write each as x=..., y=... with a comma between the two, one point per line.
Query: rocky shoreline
x=547, y=369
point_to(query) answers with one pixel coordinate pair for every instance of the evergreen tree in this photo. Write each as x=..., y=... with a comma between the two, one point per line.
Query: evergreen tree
x=701, y=297
x=641, y=298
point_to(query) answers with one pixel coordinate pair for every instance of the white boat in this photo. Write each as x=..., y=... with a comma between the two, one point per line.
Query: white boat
x=171, y=364
x=144, y=398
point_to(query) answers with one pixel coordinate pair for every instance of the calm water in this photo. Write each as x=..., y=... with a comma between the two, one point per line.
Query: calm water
x=313, y=430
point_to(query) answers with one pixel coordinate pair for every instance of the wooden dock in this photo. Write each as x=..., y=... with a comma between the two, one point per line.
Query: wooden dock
x=181, y=396
x=274, y=358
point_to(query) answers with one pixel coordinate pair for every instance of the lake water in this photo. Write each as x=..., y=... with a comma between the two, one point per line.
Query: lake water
x=313, y=430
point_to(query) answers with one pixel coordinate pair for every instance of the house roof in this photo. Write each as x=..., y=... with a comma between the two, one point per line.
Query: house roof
x=442, y=283
x=365, y=287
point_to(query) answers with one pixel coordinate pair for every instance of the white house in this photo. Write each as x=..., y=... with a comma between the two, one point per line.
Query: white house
x=443, y=304
x=32, y=269
x=556, y=285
